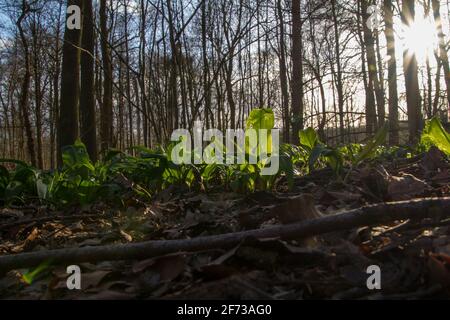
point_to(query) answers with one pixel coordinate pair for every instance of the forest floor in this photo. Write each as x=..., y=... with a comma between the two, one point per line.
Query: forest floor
x=414, y=255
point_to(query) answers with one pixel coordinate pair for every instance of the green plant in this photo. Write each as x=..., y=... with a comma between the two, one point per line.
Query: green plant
x=80, y=182
x=370, y=149
x=18, y=184
x=316, y=151
x=434, y=134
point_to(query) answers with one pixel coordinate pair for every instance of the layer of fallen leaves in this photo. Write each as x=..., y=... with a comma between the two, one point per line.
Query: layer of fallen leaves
x=414, y=256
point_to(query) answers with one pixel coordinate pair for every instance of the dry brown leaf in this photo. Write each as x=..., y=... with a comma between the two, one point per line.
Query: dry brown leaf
x=439, y=266
x=10, y=213
x=93, y=279
x=296, y=209
x=433, y=160
x=168, y=267
x=405, y=187
x=126, y=236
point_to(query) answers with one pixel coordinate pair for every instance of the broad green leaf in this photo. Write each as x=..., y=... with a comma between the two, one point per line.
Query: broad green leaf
x=287, y=166
x=333, y=158
x=309, y=139
x=112, y=154
x=261, y=119
x=370, y=148
x=435, y=134
x=76, y=155
x=315, y=154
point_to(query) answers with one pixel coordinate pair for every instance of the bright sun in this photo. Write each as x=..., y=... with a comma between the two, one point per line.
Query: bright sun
x=420, y=38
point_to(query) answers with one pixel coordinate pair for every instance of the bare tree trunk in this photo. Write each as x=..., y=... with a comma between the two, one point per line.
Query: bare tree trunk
x=437, y=84
x=70, y=86
x=283, y=74
x=128, y=79
x=297, y=72
x=87, y=95
x=370, y=111
x=443, y=55
x=173, y=96
x=54, y=112
x=392, y=73
x=339, y=84
x=106, y=118
x=23, y=101
x=206, y=74
x=229, y=90
x=381, y=101
x=374, y=86
x=38, y=94
x=143, y=70
x=413, y=97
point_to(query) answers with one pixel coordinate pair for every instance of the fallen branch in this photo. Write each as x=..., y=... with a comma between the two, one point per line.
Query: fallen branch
x=366, y=216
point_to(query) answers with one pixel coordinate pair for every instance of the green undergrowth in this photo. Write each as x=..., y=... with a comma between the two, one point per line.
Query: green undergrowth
x=81, y=182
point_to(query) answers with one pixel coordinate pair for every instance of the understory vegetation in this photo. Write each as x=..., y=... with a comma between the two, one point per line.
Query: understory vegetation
x=82, y=182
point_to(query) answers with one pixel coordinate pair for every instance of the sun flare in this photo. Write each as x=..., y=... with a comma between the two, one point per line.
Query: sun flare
x=420, y=38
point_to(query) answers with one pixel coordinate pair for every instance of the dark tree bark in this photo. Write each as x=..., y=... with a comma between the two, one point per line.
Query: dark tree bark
x=24, y=95
x=339, y=84
x=368, y=86
x=70, y=86
x=443, y=55
x=437, y=85
x=283, y=74
x=54, y=110
x=173, y=95
x=128, y=79
x=410, y=68
x=87, y=95
x=38, y=90
x=106, y=116
x=392, y=73
x=297, y=72
x=374, y=83
x=381, y=97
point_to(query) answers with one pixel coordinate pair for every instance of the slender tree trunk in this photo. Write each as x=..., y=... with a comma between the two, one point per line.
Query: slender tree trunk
x=437, y=84
x=128, y=80
x=38, y=94
x=339, y=84
x=283, y=74
x=70, y=86
x=229, y=90
x=370, y=111
x=173, y=96
x=443, y=55
x=87, y=95
x=143, y=71
x=392, y=73
x=24, y=96
x=297, y=72
x=410, y=68
x=429, y=90
x=206, y=74
x=54, y=129
x=372, y=68
x=106, y=116
x=381, y=99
